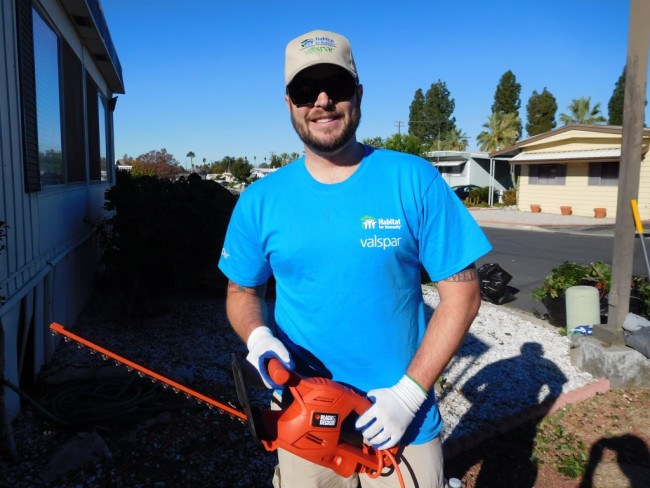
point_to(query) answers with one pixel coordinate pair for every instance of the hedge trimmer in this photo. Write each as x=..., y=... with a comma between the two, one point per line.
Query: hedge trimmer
x=311, y=427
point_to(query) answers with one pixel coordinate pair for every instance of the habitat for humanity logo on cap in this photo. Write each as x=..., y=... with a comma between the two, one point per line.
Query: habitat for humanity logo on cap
x=319, y=43
x=318, y=47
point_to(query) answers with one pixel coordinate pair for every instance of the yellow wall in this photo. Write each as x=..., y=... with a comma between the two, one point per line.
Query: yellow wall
x=577, y=192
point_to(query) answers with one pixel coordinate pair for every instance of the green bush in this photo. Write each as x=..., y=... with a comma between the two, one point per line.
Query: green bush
x=597, y=274
x=479, y=195
x=561, y=278
x=163, y=235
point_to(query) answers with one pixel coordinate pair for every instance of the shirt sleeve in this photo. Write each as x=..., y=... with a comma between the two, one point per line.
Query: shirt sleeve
x=242, y=257
x=450, y=239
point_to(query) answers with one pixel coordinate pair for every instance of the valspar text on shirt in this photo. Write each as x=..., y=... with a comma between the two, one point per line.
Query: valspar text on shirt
x=380, y=242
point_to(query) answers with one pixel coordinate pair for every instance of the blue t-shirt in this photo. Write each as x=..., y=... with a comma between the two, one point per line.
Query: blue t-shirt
x=346, y=260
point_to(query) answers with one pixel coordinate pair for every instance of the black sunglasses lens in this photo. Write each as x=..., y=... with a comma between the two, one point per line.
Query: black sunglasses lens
x=305, y=92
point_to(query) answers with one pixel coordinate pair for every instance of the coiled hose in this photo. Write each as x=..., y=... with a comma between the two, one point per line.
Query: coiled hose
x=91, y=401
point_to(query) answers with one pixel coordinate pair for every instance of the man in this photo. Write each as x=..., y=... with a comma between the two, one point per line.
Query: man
x=344, y=230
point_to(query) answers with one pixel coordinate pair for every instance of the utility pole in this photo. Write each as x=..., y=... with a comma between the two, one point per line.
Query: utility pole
x=399, y=123
x=636, y=73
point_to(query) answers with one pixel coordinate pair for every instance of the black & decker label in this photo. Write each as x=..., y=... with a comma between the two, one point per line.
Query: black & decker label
x=325, y=420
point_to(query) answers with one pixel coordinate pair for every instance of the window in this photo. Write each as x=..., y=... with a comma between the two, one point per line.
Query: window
x=48, y=108
x=547, y=174
x=73, y=116
x=603, y=174
x=451, y=170
x=97, y=132
x=92, y=109
x=65, y=134
x=101, y=119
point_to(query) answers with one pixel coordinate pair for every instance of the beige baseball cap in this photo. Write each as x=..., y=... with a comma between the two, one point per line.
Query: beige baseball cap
x=318, y=47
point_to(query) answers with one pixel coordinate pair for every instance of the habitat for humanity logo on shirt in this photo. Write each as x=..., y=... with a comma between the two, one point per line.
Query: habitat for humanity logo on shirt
x=376, y=242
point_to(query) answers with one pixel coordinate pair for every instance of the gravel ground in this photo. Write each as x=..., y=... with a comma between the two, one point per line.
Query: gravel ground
x=509, y=362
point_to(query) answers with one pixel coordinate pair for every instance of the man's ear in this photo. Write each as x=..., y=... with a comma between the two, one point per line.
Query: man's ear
x=360, y=92
x=288, y=102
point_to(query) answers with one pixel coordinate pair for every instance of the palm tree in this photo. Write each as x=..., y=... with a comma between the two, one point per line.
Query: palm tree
x=502, y=131
x=456, y=140
x=582, y=113
x=191, y=155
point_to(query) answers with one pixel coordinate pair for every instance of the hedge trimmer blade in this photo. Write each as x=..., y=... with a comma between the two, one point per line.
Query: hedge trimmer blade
x=142, y=371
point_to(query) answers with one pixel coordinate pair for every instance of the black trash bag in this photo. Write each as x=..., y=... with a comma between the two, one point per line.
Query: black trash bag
x=494, y=283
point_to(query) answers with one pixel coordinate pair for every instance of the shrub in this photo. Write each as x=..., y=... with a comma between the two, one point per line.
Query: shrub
x=510, y=197
x=163, y=235
x=560, y=278
x=479, y=195
x=597, y=274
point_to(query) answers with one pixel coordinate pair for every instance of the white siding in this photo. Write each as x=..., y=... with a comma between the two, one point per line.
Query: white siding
x=48, y=268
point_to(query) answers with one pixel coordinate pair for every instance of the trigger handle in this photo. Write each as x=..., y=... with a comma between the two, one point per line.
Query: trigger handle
x=278, y=372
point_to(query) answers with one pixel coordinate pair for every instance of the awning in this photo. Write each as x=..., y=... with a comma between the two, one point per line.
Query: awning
x=613, y=154
x=451, y=162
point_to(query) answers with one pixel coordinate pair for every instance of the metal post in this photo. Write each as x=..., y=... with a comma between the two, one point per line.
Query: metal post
x=628, y=184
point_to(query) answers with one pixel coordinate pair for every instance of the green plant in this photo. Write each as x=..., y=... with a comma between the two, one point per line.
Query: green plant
x=599, y=274
x=571, y=453
x=479, y=195
x=560, y=278
x=163, y=235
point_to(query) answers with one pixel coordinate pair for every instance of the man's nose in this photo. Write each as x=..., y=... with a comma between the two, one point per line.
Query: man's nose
x=323, y=99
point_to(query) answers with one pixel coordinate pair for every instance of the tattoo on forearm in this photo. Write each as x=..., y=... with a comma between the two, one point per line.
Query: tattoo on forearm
x=468, y=274
x=259, y=290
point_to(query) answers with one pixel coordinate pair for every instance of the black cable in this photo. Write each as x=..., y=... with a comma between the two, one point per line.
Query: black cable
x=33, y=402
x=96, y=400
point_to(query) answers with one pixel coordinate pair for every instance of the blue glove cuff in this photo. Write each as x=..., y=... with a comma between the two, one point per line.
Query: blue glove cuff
x=264, y=371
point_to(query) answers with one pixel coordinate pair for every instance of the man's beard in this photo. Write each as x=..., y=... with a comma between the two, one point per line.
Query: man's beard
x=331, y=145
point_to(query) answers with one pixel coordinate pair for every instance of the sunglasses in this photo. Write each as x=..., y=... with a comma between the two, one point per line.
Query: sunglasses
x=305, y=91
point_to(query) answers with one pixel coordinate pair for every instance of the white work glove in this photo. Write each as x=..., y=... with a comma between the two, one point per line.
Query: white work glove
x=385, y=422
x=262, y=346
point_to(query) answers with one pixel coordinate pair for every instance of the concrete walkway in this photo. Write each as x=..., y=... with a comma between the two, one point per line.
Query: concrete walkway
x=510, y=216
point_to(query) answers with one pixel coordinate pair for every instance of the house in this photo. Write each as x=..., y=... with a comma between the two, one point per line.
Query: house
x=257, y=173
x=472, y=168
x=59, y=76
x=575, y=166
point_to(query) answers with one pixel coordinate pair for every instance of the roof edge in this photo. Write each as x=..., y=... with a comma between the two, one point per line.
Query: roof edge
x=605, y=129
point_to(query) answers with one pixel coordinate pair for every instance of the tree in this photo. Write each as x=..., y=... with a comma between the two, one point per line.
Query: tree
x=581, y=112
x=279, y=160
x=161, y=156
x=541, y=110
x=416, y=112
x=502, y=131
x=455, y=140
x=506, y=96
x=241, y=170
x=191, y=155
x=615, y=105
x=430, y=117
x=407, y=143
x=126, y=159
x=374, y=142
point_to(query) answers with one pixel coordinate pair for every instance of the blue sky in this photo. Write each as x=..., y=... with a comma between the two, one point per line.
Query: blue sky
x=207, y=76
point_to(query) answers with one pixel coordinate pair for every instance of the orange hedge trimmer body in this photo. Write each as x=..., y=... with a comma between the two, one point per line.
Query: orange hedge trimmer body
x=310, y=427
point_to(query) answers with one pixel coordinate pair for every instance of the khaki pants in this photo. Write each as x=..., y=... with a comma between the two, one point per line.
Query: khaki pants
x=421, y=466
